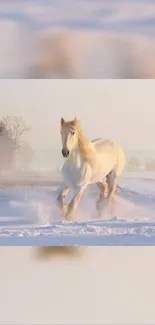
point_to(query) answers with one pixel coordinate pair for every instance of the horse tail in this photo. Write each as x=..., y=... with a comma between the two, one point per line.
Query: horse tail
x=120, y=161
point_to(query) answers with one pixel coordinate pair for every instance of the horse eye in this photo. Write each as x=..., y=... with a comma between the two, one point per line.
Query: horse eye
x=72, y=132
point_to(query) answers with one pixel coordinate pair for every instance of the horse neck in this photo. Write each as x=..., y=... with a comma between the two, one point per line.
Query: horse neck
x=84, y=150
x=84, y=145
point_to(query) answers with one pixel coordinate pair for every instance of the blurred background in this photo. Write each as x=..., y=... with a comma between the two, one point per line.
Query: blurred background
x=30, y=112
x=77, y=39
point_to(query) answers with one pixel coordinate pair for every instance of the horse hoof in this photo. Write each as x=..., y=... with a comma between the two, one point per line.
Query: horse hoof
x=98, y=205
x=68, y=217
x=99, y=211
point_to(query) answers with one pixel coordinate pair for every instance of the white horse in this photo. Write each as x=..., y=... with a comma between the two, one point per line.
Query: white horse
x=87, y=162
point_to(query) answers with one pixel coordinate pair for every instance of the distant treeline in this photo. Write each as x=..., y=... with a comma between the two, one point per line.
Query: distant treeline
x=134, y=163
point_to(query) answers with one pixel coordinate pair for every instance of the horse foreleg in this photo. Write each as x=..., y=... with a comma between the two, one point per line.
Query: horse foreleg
x=60, y=199
x=72, y=207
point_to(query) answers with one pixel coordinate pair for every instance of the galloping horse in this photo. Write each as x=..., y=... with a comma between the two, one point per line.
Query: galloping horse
x=87, y=162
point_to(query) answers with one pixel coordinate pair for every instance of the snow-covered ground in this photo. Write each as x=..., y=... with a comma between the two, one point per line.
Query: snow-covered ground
x=30, y=216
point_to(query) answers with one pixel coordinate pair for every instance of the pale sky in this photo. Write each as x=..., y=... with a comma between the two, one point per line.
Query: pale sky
x=123, y=110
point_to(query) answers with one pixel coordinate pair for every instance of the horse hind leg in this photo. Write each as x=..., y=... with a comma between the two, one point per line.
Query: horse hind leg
x=107, y=192
x=103, y=186
x=112, y=187
x=112, y=184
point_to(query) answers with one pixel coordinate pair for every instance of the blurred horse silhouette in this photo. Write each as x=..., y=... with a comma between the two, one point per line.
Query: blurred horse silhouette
x=50, y=252
x=62, y=53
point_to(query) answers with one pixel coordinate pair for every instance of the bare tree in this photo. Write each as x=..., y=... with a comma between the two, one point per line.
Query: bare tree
x=16, y=128
x=6, y=148
x=133, y=163
x=150, y=165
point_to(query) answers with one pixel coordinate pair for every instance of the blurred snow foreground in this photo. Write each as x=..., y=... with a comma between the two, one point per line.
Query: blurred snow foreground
x=62, y=53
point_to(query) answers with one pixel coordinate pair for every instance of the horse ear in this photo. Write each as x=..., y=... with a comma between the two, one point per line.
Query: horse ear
x=75, y=120
x=62, y=121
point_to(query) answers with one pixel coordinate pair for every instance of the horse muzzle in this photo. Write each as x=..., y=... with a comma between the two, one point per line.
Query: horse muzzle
x=65, y=152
